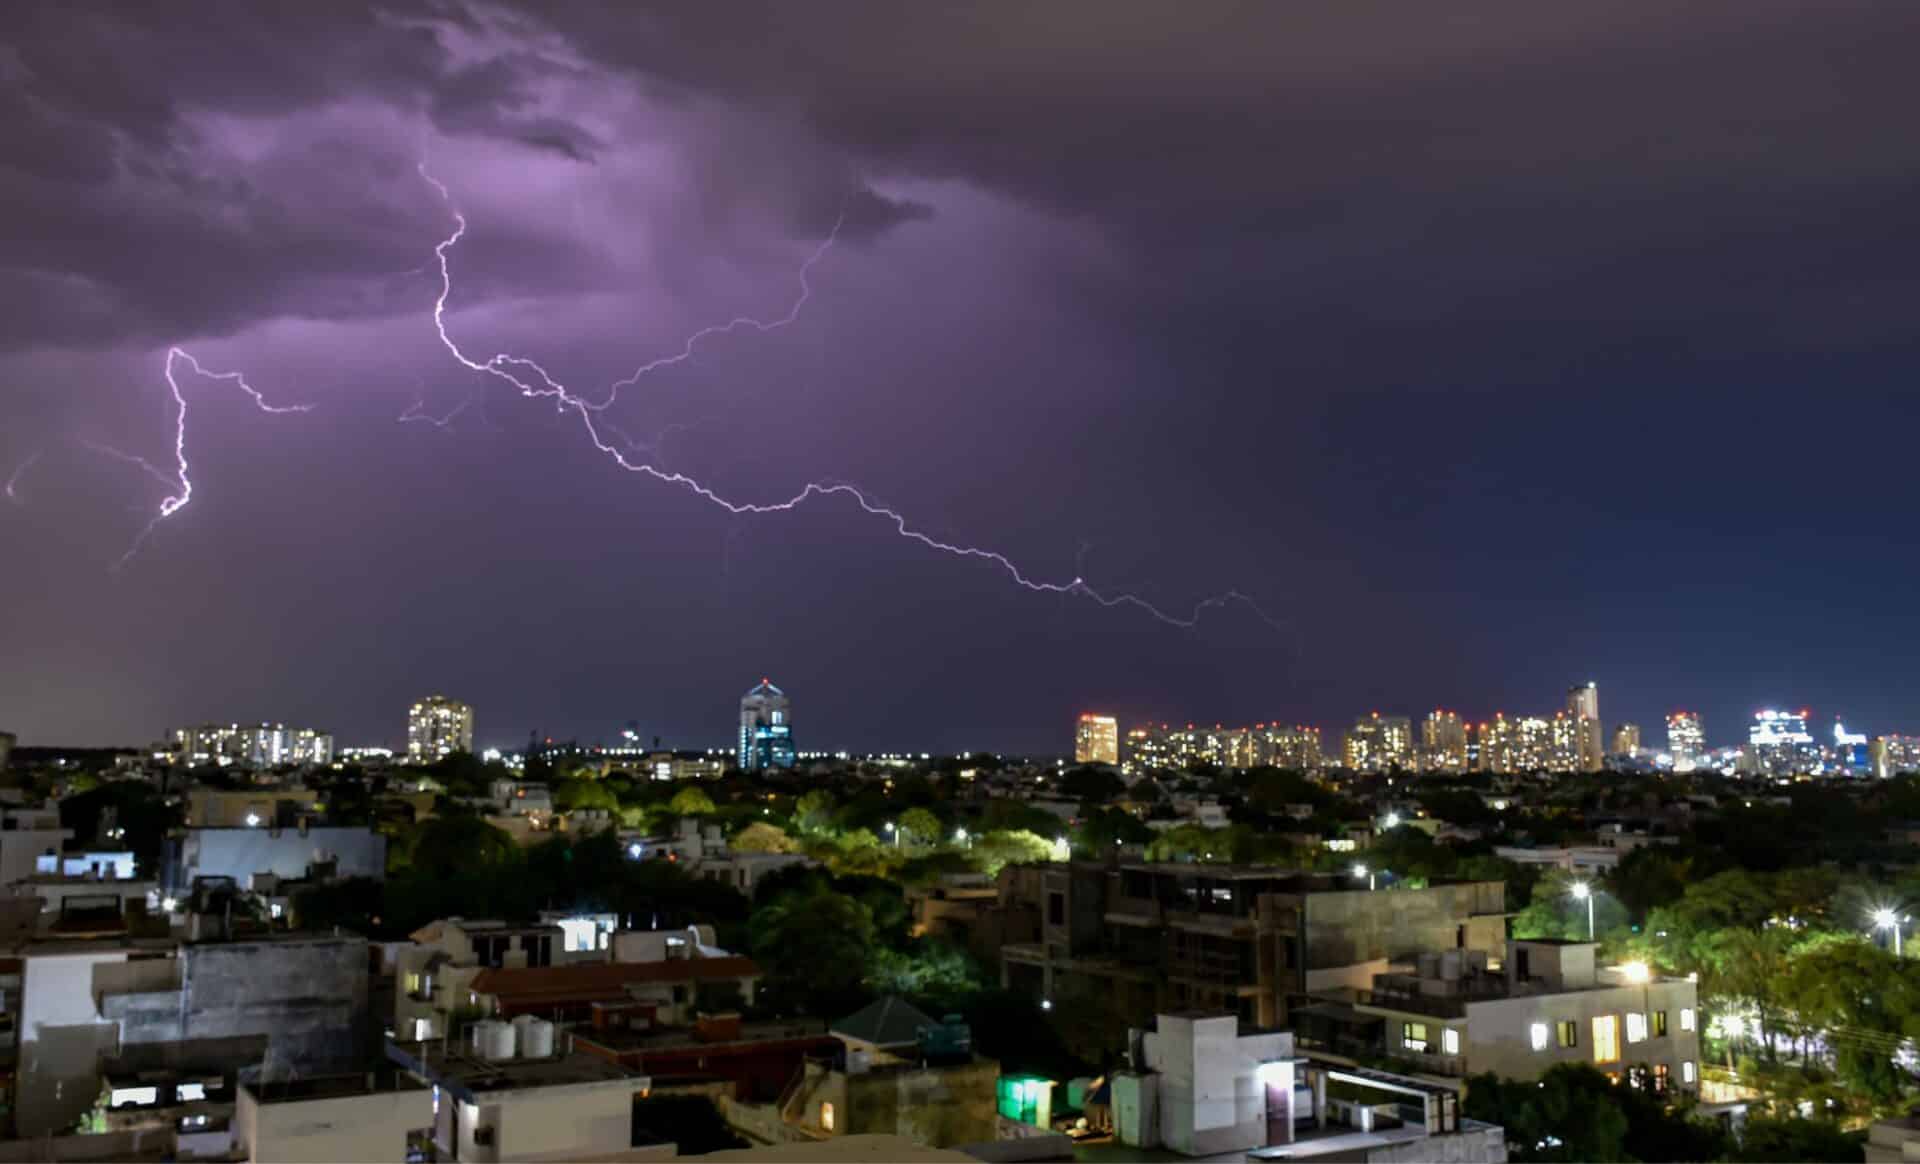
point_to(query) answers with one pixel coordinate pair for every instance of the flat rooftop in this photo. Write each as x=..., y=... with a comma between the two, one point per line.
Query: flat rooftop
x=333, y=1086
x=679, y=1038
x=460, y=1067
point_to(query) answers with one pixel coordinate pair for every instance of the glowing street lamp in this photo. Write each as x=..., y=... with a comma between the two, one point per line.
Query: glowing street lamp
x=896, y=834
x=1584, y=892
x=1363, y=871
x=1886, y=919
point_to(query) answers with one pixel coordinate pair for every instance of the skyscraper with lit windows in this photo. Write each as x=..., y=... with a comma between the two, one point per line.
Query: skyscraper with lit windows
x=1686, y=740
x=437, y=727
x=766, y=729
x=1586, y=747
x=1379, y=743
x=1443, y=741
x=1096, y=740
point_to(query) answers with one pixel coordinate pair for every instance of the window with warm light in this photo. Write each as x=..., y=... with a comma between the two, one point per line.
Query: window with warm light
x=1659, y=1024
x=1569, y=1032
x=1450, y=1041
x=1606, y=1038
x=826, y=1116
x=1539, y=1032
x=1686, y=1018
x=1413, y=1036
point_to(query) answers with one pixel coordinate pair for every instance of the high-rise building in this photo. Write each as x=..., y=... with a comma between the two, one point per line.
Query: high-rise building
x=437, y=727
x=1159, y=747
x=1378, y=743
x=264, y=745
x=1096, y=740
x=1686, y=740
x=1626, y=740
x=1779, y=744
x=766, y=729
x=1523, y=744
x=1892, y=755
x=1444, y=742
x=1588, y=750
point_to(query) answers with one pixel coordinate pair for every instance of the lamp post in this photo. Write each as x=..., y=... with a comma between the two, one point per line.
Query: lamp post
x=896, y=833
x=1584, y=892
x=1886, y=919
x=1363, y=871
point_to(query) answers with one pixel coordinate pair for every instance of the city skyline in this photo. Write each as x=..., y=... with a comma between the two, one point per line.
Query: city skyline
x=1369, y=357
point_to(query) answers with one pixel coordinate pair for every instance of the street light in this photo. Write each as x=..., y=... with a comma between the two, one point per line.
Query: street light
x=896, y=833
x=1393, y=820
x=1886, y=919
x=1363, y=871
x=1584, y=892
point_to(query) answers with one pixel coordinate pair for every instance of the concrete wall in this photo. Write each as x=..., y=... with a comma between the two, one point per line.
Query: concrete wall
x=936, y=1106
x=582, y=1121
x=62, y=1038
x=239, y=853
x=1482, y=1144
x=1499, y=1032
x=20, y=850
x=1343, y=928
x=309, y=996
x=1211, y=1098
x=366, y=1127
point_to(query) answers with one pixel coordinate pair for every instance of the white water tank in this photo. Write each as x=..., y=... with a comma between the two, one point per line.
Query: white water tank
x=493, y=1040
x=536, y=1040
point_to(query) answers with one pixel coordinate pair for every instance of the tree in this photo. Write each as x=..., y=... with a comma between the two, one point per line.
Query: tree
x=996, y=850
x=572, y=795
x=813, y=812
x=1569, y=1115
x=815, y=946
x=920, y=826
x=691, y=801
x=761, y=837
x=1764, y=1139
x=928, y=970
x=1091, y=785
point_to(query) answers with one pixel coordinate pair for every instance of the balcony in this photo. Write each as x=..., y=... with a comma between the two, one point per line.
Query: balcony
x=1136, y=911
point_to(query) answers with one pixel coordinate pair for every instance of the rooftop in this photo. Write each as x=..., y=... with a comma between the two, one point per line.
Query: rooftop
x=453, y=1067
x=663, y=1039
x=588, y=980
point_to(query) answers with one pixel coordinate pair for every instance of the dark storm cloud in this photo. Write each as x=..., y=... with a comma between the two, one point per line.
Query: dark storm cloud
x=1292, y=150
x=167, y=173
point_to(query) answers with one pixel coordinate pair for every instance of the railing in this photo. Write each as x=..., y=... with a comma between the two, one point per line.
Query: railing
x=1440, y=1006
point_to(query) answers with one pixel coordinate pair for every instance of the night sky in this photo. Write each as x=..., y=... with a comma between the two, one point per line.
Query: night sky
x=1489, y=348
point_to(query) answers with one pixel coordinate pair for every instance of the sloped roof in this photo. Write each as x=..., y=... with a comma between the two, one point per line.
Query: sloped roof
x=890, y=1022
x=590, y=980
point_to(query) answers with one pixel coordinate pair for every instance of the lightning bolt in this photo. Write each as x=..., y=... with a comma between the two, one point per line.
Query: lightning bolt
x=532, y=380
x=151, y=469
x=174, y=502
x=417, y=412
x=20, y=470
x=739, y=321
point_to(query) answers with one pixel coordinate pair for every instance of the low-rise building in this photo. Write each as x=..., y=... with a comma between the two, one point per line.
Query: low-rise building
x=1452, y=1014
x=295, y=853
x=1158, y=938
x=465, y=1104
x=1200, y=1086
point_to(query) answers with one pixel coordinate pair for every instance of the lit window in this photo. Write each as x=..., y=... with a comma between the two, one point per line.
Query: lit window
x=1539, y=1036
x=1659, y=1024
x=1450, y=1041
x=422, y=1030
x=1606, y=1038
x=1636, y=1028
x=187, y=1092
x=1686, y=1071
x=1568, y=1031
x=1686, y=1018
x=826, y=1116
x=1413, y=1036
